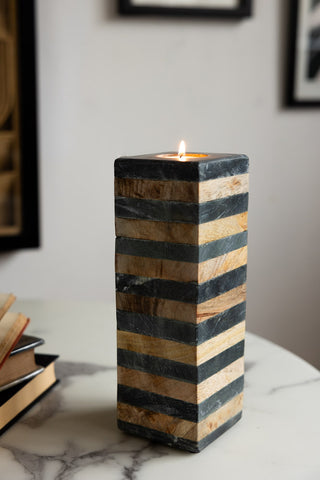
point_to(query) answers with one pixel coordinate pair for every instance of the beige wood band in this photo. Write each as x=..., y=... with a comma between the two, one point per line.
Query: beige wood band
x=186, y=233
x=223, y=187
x=223, y=264
x=221, y=228
x=219, y=304
x=177, y=427
x=179, y=390
x=156, y=268
x=185, y=312
x=181, y=191
x=180, y=352
x=180, y=271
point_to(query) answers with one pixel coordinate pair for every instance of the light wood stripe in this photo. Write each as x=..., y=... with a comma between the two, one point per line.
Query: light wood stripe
x=180, y=352
x=223, y=187
x=219, y=343
x=158, y=231
x=181, y=191
x=184, y=391
x=223, y=264
x=180, y=271
x=224, y=227
x=184, y=312
x=177, y=427
x=222, y=378
x=181, y=232
x=219, y=304
x=156, y=268
x=175, y=190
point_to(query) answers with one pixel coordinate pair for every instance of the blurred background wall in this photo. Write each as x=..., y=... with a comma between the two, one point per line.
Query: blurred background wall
x=111, y=86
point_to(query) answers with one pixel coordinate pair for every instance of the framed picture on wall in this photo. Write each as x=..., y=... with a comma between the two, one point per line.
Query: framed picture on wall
x=303, y=87
x=19, y=226
x=195, y=8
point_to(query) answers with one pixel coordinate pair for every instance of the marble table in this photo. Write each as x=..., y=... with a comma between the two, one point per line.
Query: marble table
x=72, y=434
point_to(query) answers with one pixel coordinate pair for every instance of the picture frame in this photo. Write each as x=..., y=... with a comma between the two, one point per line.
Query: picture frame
x=19, y=202
x=233, y=9
x=303, y=76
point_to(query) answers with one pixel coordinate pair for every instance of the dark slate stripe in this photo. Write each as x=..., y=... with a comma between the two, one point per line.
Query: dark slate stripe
x=223, y=207
x=178, y=370
x=180, y=252
x=170, y=211
x=219, y=285
x=154, y=168
x=221, y=322
x=158, y=327
x=178, y=408
x=181, y=291
x=218, y=399
x=222, y=246
x=177, y=442
x=177, y=331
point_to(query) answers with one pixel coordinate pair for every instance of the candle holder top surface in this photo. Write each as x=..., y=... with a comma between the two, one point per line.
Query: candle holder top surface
x=192, y=157
x=190, y=167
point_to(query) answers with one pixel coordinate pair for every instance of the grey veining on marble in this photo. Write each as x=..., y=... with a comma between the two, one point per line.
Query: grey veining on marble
x=71, y=457
x=72, y=433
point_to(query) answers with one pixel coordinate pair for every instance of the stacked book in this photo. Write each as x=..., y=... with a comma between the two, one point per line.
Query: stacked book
x=25, y=376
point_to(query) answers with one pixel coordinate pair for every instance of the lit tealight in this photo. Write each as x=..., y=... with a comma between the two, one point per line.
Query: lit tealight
x=182, y=155
x=182, y=149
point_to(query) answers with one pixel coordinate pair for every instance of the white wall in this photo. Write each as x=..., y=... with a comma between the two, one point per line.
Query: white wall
x=110, y=86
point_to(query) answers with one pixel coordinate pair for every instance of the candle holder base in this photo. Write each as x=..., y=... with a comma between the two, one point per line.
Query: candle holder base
x=181, y=253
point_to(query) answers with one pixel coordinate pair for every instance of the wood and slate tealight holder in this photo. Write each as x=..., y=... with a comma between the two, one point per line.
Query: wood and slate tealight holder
x=181, y=254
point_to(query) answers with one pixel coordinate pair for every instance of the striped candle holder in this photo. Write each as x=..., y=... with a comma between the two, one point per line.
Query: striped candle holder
x=181, y=258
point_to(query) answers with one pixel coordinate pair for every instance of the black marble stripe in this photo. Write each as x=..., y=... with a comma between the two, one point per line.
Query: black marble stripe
x=219, y=323
x=177, y=442
x=177, y=331
x=158, y=327
x=153, y=168
x=183, y=292
x=180, y=252
x=170, y=211
x=177, y=370
x=178, y=408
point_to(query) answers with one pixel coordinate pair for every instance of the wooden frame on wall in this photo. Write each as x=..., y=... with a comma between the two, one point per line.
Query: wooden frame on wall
x=19, y=212
x=303, y=76
x=219, y=8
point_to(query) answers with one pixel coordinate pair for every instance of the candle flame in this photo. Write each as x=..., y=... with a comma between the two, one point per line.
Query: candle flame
x=182, y=149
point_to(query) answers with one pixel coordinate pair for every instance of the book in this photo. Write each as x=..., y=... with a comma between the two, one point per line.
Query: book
x=12, y=326
x=6, y=300
x=17, y=400
x=21, y=364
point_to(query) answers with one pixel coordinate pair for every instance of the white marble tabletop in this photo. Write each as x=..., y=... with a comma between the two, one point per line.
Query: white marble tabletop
x=72, y=434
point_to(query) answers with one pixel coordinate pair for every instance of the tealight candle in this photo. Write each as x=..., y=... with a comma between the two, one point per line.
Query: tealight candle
x=181, y=227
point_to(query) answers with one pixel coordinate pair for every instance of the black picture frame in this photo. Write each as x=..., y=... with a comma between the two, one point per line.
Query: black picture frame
x=28, y=236
x=244, y=9
x=298, y=83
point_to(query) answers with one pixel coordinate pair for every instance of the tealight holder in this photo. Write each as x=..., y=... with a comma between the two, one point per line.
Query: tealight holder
x=181, y=254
